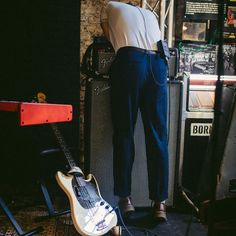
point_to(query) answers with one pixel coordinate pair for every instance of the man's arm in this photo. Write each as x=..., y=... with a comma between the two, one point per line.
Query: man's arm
x=105, y=28
x=104, y=22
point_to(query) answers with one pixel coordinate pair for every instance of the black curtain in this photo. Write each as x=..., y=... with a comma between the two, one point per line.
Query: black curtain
x=40, y=52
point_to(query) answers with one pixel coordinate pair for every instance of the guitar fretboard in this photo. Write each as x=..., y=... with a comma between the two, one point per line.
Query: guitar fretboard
x=63, y=145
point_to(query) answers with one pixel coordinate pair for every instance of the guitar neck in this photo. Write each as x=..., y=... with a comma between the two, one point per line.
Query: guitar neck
x=63, y=145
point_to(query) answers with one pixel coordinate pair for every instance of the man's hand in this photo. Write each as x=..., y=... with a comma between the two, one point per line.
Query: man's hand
x=104, y=22
x=105, y=28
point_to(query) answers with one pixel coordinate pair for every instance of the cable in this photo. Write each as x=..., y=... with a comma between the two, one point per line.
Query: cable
x=189, y=224
x=169, y=103
x=86, y=65
x=189, y=201
x=145, y=231
x=123, y=223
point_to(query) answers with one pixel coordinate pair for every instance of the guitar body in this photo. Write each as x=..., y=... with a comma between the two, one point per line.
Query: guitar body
x=91, y=214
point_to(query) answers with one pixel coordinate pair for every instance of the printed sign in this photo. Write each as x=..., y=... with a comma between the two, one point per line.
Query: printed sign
x=200, y=129
x=201, y=9
x=198, y=58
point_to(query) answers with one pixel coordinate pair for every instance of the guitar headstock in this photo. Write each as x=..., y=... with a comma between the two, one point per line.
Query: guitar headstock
x=41, y=97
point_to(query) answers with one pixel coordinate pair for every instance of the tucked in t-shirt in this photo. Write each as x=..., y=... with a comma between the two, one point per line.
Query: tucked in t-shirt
x=131, y=26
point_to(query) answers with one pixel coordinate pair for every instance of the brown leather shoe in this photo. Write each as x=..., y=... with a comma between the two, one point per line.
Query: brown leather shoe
x=159, y=211
x=126, y=205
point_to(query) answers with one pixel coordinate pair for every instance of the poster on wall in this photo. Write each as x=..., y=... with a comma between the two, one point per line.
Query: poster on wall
x=230, y=20
x=229, y=32
x=194, y=31
x=229, y=54
x=198, y=58
x=201, y=9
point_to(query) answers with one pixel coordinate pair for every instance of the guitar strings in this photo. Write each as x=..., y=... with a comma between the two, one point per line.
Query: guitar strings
x=71, y=163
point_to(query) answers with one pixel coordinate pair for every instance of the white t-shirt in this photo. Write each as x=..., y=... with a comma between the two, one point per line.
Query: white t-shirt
x=131, y=26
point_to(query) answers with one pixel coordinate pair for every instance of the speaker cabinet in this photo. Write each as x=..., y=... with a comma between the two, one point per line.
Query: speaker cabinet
x=99, y=149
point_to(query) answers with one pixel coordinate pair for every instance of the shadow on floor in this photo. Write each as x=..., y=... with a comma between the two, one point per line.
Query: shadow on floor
x=178, y=224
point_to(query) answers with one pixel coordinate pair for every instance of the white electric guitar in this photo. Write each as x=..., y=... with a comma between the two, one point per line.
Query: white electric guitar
x=91, y=214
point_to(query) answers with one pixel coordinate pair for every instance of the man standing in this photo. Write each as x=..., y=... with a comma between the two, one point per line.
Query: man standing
x=138, y=81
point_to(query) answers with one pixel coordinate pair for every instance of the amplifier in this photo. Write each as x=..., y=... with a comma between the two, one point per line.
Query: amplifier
x=99, y=149
x=103, y=56
x=104, y=60
x=195, y=142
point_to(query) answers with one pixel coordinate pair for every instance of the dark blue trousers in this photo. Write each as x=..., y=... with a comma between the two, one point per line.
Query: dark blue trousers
x=138, y=81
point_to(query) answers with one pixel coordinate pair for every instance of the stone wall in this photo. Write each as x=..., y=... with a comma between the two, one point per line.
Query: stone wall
x=89, y=27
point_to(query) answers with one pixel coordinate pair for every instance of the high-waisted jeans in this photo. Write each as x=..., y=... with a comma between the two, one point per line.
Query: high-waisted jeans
x=139, y=81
